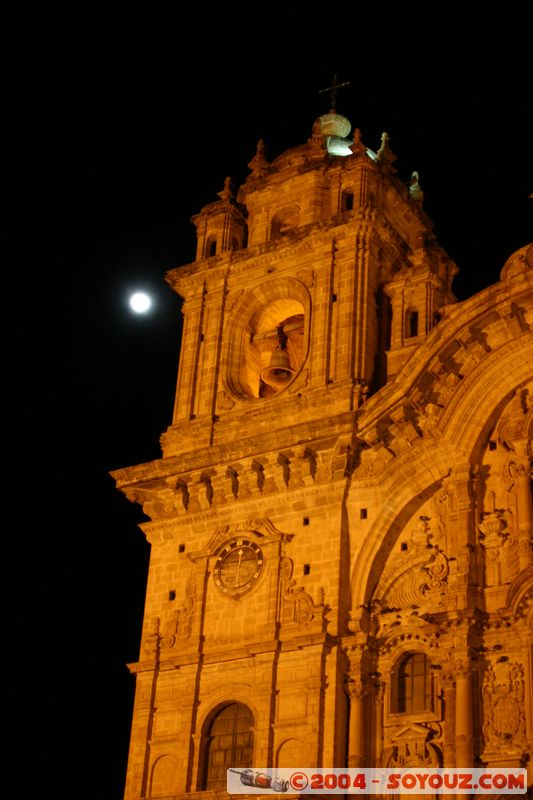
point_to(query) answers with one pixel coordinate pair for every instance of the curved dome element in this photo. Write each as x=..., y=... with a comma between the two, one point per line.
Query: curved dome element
x=518, y=263
x=335, y=125
x=292, y=157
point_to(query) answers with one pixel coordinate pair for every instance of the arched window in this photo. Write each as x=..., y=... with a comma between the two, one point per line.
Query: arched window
x=411, y=323
x=229, y=743
x=284, y=222
x=211, y=246
x=413, y=684
x=347, y=200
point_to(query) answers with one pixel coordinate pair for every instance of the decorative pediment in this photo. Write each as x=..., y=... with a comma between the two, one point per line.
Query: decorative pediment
x=260, y=528
x=405, y=626
x=413, y=731
x=412, y=746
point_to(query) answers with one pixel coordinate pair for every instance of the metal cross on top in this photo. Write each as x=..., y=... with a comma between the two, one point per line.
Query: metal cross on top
x=333, y=91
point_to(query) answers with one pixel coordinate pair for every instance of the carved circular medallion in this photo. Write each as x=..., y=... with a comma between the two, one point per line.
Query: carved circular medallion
x=506, y=716
x=238, y=567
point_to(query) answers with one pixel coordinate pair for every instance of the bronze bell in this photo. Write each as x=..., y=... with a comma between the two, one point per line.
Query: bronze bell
x=279, y=372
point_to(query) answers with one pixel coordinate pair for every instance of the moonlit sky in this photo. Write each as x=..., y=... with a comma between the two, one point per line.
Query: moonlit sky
x=140, y=302
x=142, y=120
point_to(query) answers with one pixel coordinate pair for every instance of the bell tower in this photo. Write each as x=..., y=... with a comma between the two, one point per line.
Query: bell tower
x=295, y=313
x=286, y=333
x=301, y=284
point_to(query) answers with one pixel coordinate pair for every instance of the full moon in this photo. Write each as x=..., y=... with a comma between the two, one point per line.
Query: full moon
x=140, y=302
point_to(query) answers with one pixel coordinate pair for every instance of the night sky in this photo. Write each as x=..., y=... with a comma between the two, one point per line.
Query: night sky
x=139, y=133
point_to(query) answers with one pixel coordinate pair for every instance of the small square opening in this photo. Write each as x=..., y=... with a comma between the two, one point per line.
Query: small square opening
x=181, y=548
x=305, y=521
x=363, y=513
x=172, y=595
x=307, y=569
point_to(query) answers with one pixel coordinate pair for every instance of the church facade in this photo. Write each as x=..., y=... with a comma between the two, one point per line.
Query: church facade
x=341, y=522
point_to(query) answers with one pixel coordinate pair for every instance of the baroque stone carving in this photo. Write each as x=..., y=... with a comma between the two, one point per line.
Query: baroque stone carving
x=418, y=576
x=437, y=571
x=297, y=606
x=429, y=418
x=412, y=746
x=261, y=526
x=179, y=625
x=515, y=422
x=444, y=504
x=503, y=703
x=354, y=687
x=372, y=462
x=494, y=535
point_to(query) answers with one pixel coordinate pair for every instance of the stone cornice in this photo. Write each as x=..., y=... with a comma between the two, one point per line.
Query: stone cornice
x=220, y=651
x=308, y=237
x=161, y=530
x=322, y=433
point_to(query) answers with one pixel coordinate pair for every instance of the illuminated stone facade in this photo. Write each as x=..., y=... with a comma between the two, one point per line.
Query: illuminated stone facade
x=341, y=522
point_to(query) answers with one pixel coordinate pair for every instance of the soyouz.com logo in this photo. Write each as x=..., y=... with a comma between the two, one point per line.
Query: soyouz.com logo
x=377, y=781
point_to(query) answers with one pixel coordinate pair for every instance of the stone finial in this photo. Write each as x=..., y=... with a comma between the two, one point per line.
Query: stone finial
x=317, y=140
x=227, y=194
x=385, y=155
x=259, y=163
x=358, y=148
x=415, y=190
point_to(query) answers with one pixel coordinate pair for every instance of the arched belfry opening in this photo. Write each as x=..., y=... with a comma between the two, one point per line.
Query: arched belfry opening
x=411, y=323
x=284, y=222
x=274, y=350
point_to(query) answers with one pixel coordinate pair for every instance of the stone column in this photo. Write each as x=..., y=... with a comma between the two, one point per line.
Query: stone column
x=525, y=513
x=461, y=537
x=194, y=778
x=209, y=353
x=447, y=682
x=379, y=694
x=192, y=323
x=356, y=741
x=356, y=648
x=464, y=729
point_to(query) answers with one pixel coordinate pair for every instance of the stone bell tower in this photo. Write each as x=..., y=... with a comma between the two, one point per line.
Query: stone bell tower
x=312, y=285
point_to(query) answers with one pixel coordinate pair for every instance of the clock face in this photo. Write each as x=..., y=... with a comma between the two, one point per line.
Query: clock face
x=238, y=567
